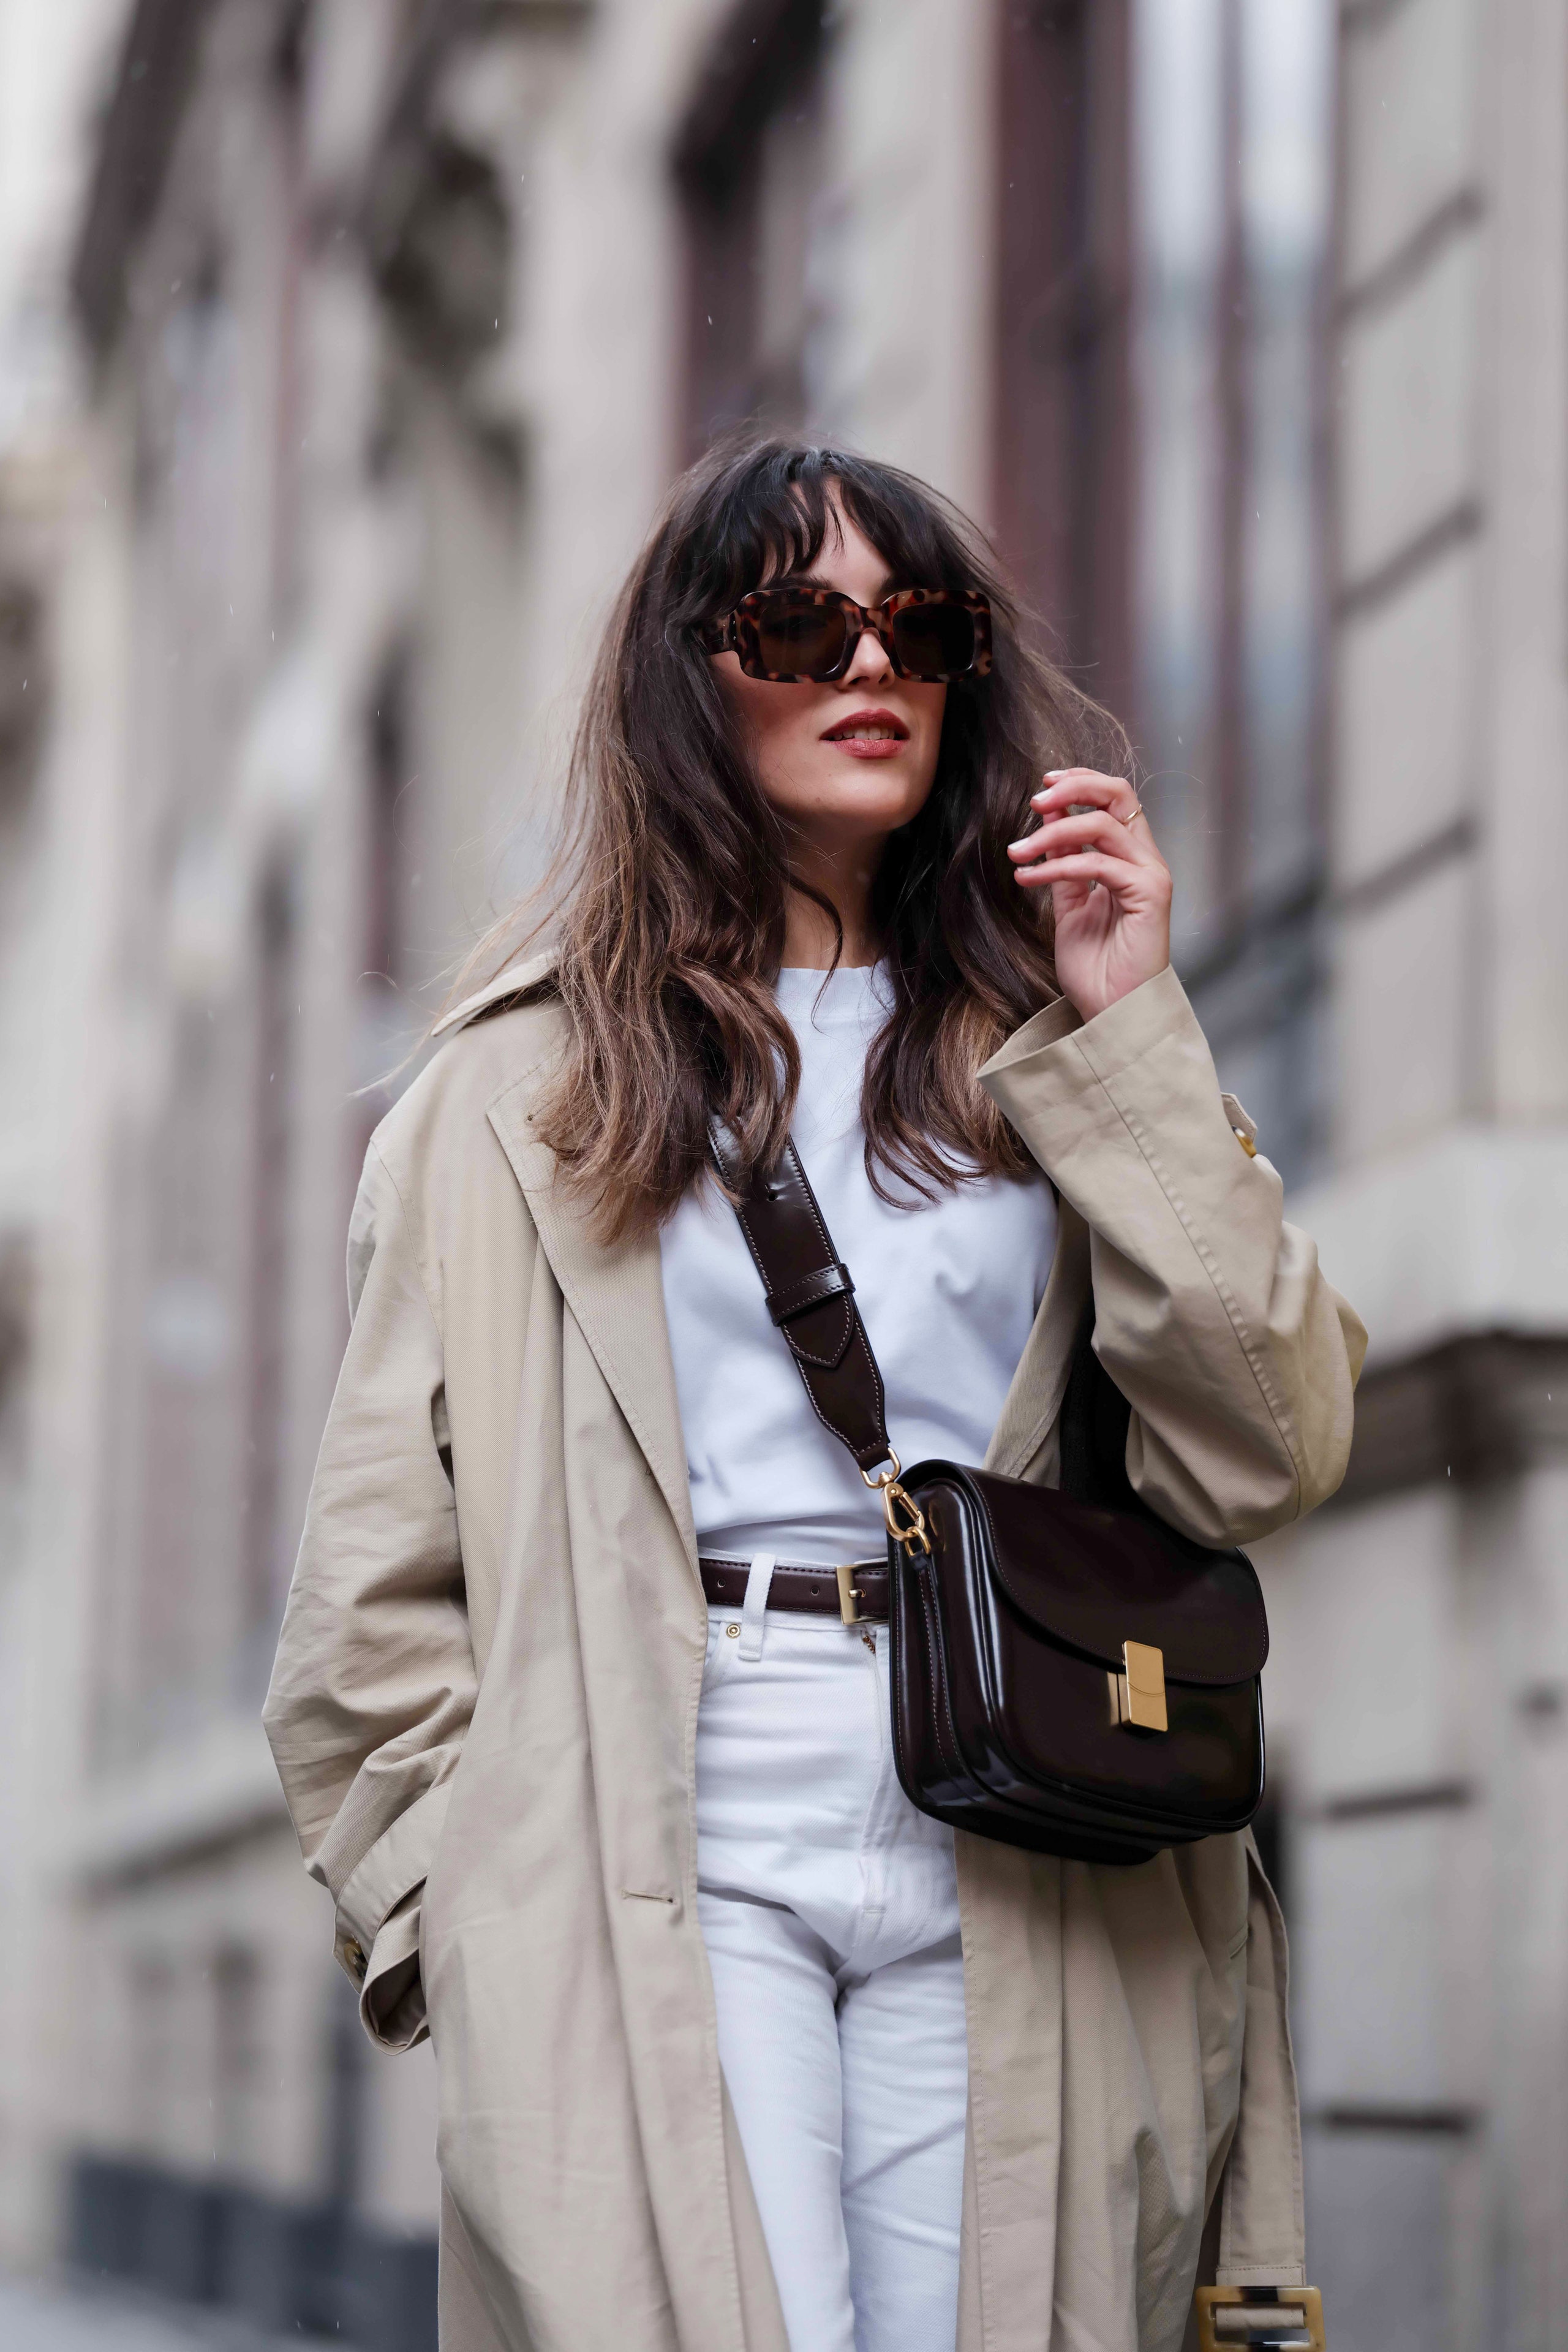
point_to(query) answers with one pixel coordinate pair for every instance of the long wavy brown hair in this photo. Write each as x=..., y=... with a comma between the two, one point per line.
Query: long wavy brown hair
x=669, y=896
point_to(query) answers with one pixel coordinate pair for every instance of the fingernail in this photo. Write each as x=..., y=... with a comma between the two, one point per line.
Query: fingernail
x=1020, y=844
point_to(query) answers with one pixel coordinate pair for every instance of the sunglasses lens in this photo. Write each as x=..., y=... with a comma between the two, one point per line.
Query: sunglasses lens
x=797, y=638
x=935, y=640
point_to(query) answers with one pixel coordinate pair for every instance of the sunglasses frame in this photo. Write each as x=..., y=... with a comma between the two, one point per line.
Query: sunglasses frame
x=739, y=632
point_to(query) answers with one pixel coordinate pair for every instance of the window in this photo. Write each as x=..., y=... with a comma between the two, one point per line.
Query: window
x=17, y=1288
x=24, y=684
x=750, y=167
x=1062, y=408
x=388, y=775
x=390, y=838
x=288, y=191
x=277, y=1014
x=348, y=2088
x=236, y=2061
x=1231, y=151
x=155, y=2053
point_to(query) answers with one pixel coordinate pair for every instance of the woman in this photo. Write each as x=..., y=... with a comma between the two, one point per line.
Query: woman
x=735, y=2048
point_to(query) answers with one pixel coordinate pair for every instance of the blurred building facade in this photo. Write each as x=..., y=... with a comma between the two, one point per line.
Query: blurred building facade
x=1421, y=1642
x=1240, y=325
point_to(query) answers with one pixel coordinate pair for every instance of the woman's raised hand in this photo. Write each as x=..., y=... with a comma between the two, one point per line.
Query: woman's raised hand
x=1111, y=889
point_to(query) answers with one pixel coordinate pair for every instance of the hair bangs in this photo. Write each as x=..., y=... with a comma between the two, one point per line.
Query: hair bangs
x=772, y=510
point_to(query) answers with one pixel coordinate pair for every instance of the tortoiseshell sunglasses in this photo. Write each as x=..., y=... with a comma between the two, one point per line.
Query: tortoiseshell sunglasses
x=795, y=637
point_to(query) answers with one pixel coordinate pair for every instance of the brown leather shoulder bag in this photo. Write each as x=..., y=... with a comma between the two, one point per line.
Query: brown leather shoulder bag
x=1068, y=1673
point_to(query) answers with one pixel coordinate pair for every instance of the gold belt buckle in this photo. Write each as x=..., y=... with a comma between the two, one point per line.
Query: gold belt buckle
x=1231, y=2318
x=849, y=1599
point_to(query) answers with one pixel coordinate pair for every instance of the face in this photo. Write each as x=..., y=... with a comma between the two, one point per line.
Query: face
x=847, y=763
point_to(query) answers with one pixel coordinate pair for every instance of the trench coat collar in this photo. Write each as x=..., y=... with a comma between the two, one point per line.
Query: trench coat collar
x=616, y=1293
x=514, y=980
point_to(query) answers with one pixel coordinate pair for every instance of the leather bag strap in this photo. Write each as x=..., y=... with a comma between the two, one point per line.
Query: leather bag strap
x=1093, y=1432
x=810, y=1297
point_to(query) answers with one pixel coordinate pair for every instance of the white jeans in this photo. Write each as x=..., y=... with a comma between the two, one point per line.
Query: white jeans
x=830, y=1910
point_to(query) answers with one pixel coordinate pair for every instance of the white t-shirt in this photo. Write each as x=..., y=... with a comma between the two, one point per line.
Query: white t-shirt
x=948, y=1291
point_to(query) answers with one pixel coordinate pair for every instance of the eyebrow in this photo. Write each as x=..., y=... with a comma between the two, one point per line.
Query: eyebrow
x=815, y=580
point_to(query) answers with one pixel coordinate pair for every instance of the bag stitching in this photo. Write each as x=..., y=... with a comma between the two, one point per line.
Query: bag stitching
x=858, y=1333
x=941, y=1698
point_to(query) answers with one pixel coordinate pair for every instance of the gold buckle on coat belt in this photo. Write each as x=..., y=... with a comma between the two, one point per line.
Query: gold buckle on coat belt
x=1230, y=2318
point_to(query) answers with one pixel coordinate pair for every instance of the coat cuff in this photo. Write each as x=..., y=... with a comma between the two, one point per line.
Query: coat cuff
x=1140, y=1069
x=397, y=1863
x=1048, y=1048
x=391, y=1997
x=1047, y=1028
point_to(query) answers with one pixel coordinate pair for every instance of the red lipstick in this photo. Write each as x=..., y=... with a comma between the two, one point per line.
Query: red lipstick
x=875, y=733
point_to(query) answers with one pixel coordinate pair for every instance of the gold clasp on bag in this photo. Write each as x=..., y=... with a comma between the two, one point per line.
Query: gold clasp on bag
x=910, y=1530
x=1240, y=2316
x=1141, y=1688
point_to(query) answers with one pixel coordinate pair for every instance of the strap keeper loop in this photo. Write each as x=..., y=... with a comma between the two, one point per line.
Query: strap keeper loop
x=814, y=1290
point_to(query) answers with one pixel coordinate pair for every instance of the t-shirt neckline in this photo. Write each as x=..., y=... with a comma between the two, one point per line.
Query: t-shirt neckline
x=830, y=999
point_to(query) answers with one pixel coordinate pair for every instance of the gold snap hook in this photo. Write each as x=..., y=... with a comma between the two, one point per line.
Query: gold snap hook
x=912, y=1533
x=909, y=1531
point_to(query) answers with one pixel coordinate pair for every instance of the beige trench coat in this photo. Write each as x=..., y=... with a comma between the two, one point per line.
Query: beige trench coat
x=484, y=1712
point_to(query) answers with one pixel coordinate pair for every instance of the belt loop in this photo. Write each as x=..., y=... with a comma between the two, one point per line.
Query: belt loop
x=756, y=1605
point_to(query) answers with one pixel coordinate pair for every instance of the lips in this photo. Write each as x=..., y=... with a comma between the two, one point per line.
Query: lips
x=882, y=728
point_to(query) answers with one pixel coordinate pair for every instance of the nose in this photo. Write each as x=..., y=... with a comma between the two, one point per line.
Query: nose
x=870, y=664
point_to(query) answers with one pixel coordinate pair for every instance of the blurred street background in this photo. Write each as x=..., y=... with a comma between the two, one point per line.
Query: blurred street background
x=346, y=347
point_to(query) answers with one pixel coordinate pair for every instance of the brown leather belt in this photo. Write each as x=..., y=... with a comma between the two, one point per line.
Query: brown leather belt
x=852, y=1593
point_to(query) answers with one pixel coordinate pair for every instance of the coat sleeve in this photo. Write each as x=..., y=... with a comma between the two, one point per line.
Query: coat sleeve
x=1238, y=1361
x=374, y=1682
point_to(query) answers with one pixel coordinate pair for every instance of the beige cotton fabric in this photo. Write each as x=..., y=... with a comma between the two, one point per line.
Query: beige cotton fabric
x=484, y=1712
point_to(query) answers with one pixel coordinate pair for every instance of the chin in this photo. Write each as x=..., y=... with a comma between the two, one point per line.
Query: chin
x=876, y=796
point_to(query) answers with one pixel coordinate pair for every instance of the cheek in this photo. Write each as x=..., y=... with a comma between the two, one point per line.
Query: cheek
x=930, y=703
x=773, y=722
x=772, y=718
x=783, y=726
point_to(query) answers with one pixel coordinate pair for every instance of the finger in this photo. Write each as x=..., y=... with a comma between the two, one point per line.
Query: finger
x=1065, y=787
x=1088, y=866
x=1093, y=828
x=1070, y=784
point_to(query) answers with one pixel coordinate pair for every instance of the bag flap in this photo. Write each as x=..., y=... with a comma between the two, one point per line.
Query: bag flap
x=1093, y=1579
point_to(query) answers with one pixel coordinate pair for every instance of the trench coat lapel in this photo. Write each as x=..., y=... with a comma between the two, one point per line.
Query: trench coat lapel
x=617, y=1296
